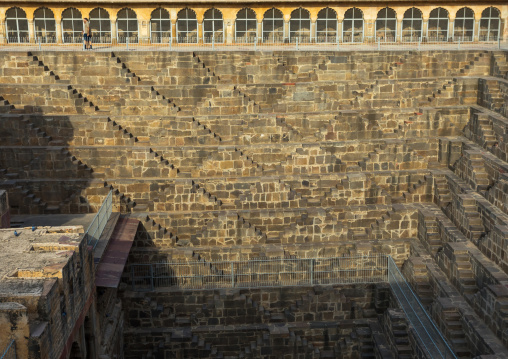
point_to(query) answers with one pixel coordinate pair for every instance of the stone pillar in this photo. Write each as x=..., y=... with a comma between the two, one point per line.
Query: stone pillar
x=143, y=28
x=174, y=35
x=58, y=29
x=200, y=32
x=339, y=29
x=113, y=31
x=313, y=30
x=3, y=32
x=229, y=31
x=260, y=31
x=400, y=18
x=368, y=29
x=425, y=27
x=476, y=28
x=31, y=34
x=286, y=30
x=451, y=27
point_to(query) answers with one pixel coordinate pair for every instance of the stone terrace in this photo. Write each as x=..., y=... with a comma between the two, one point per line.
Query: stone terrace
x=233, y=156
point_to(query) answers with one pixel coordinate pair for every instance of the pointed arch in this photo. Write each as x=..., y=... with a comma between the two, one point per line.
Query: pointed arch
x=386, y=25
x=326, y=25
x=490, y=24
x=463, y=28
x=299, y=25
x=72, y=25
x=437, y=29
x=100, y=25
x=213, y=26
x=412, y=25
x=16, y=25
x=160, y=26
x=352, y=26
x=273, y=26
x=186, y=26
x=45, y=25
x=246, y=26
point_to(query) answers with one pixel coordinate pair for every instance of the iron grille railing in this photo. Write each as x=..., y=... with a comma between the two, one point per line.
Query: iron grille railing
x=196, y=275
x=10, y=351
x=426, y=330
x=259, y=273
x=94, y=231
x=230, y=43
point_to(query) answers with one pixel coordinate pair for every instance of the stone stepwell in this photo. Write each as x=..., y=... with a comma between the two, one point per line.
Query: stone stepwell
x=227, y=156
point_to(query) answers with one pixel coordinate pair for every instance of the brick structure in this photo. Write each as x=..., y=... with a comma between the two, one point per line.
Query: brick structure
x=235, y=156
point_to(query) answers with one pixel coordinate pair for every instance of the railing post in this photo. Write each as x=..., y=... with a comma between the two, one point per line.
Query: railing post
x=459, y=44
x=338, y=44
x=419, y=42
x=232, y=274
x=256, y=43
x=40, y=45
x=378, y=44
x=151, y=276
x=296, y=44
x=213, y=42
x=127, y=43
x=170, y=43
x=498, y=42
x=312, y=271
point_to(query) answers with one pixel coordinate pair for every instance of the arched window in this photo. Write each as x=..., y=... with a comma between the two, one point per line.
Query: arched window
x=273, y=26
x=386, y=25
x=160, y=26
x=17, y=25
x=187, y=26
x=299, y=25
x=246, y=26
x=127, y=26
x=463, y=28
x=412, y=25
x=72, y=25
x=100, y=25
x=326, y=25
x=352, y=27
x=489, y=25
x=45, y=25
x=213, y=26
x=438, y=25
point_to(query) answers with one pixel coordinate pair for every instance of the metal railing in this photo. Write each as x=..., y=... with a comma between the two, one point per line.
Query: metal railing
x=426, y=330
x=10, y=351
x=259, y=273
x=294, y=43
x=196, y=275
x=94, y=231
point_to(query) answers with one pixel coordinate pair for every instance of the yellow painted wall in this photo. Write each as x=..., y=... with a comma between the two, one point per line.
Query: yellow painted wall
x=229, y=12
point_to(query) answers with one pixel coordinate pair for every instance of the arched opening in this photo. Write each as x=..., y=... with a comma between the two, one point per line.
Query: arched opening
x=299, y=25
x=44, y=25
x=187, y=26
x=438, y=25
x=72, y=25
x=127, y=26
x=213, y=26
x=160, y=26
x=246, y=26
x=463, y=29
x=76, y=352
x=17, y=25
x=352, y=27
x=326, y=25
x=100, y=25
x=386, y=25
x=490, y=24
x=273, y=26
x=412, y=25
